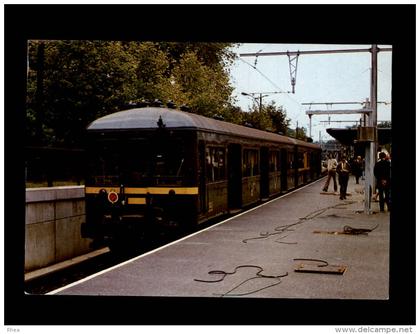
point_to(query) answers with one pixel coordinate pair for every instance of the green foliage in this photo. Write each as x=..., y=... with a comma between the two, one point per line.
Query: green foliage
x=301, y=133
x=71, y=83
x=81, y=81
x=205, y=89
x=268, y=118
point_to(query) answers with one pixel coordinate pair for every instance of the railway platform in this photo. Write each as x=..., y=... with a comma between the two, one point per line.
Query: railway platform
x=305, y=244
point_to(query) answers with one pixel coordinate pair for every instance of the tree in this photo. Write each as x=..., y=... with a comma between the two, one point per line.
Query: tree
x=301, y=133
x=279, y=119
x=233, y=114
x=210, y=54
x=71, y=83
x=206, y=90
x=269, y=118
x=81, y=81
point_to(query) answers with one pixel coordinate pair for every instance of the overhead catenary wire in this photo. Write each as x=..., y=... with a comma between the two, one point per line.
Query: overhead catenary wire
x=266, y=77
x=294, y=114
x=373, y=49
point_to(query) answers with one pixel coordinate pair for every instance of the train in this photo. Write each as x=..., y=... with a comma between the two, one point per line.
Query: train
x=153, y=169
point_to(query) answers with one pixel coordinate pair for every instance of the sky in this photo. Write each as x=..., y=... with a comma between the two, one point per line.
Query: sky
x=319, y=78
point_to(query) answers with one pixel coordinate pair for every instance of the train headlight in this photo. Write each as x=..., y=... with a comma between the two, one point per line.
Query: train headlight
x=112, y=197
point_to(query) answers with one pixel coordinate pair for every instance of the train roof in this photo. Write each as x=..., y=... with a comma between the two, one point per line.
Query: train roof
x=148, y=118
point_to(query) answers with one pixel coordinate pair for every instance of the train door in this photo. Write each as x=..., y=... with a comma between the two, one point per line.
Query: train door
x=264, y=167
x=283, y=169
x=202, y=176
x=234, y=161
x=296, y=165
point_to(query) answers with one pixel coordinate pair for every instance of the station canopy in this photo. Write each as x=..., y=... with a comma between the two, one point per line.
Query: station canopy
x=349, y=136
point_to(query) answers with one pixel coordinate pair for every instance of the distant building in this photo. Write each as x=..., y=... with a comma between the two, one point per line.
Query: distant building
x=331, y=146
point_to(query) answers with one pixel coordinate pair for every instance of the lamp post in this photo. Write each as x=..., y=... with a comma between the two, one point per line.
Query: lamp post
x=259, y=100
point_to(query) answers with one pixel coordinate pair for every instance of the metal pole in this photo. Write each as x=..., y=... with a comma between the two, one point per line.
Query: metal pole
x=370, y=153
x=310, y=126
x=309, y=52
x=344, y=111
x=367, y=105
x=259, y=101
x=317, y=103
x=374, y=85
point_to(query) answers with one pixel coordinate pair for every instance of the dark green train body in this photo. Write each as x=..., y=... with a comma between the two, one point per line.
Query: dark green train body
x=156, y=168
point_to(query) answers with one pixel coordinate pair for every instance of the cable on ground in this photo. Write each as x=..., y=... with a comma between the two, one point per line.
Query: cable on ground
x=258, y=275
x=284, y=228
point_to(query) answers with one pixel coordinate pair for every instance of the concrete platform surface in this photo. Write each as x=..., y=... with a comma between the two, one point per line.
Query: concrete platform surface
x=255, y=254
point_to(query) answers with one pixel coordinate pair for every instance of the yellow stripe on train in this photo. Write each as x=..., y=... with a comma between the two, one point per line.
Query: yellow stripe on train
x=144, y=191
x=136, y=200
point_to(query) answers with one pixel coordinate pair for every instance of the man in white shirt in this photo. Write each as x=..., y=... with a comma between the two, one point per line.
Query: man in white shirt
x=331, y=168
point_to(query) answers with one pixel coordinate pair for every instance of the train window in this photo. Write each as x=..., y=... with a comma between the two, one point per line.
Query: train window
x=301, y=159
x=250, y=163
x=290, y=160
x=274, y=161
x=215, y=161
x=137, y=162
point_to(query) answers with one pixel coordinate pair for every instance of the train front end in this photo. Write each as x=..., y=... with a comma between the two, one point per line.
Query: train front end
x=141, y=184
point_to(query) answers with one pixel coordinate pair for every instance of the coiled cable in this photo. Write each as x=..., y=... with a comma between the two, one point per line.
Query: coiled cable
x=258, y=275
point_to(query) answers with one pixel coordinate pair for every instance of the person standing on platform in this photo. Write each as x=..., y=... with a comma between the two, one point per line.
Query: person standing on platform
x=331, y=169
x=343, y=171
x=357, y=168
x=382, y=172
